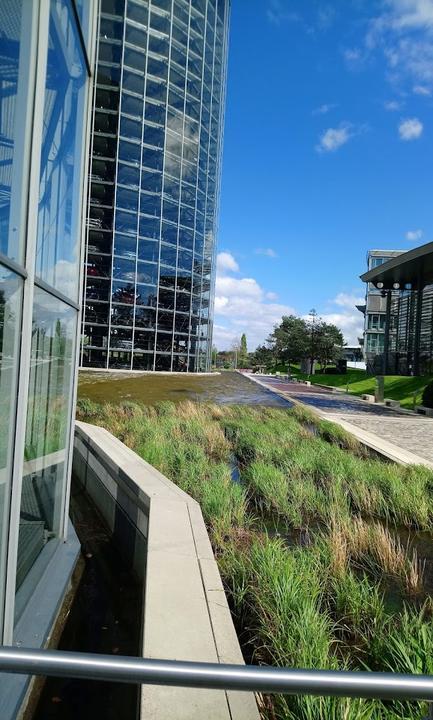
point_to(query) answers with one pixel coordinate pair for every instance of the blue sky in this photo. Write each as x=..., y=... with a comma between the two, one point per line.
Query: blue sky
x=328, y=151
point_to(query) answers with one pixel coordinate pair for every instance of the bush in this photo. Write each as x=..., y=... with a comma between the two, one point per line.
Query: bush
x=427, y=396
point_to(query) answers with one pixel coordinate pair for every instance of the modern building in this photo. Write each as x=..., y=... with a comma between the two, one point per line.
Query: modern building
x=403, y=285
x=155, y=177
x=46, y=52
x=374, y=312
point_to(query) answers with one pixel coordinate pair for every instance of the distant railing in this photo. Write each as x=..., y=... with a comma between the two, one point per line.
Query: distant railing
x=384, y=686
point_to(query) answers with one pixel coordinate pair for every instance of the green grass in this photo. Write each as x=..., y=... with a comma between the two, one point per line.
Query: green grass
x=397, y=387
x=350, y=595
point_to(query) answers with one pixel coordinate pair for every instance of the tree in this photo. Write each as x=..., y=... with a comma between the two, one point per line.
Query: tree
x=243, y=352
x=263, y=356
x=214, y=355
x=291, y=340
x=328, y=343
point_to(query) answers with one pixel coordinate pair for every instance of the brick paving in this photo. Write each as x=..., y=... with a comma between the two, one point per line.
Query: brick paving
x=405, y=430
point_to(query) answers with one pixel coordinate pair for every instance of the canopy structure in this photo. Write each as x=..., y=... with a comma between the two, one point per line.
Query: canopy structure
x=406, y=281
x=413, y=268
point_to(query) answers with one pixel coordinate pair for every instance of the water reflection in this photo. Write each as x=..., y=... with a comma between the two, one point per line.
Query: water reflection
x=223, y=389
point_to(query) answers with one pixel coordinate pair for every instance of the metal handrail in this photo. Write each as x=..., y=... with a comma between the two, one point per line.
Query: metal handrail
x=385, y=686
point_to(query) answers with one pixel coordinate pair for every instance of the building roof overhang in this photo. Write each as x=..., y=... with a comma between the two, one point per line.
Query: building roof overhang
x=414, y=268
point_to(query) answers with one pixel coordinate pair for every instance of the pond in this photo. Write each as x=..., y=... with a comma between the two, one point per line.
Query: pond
x=224, y=388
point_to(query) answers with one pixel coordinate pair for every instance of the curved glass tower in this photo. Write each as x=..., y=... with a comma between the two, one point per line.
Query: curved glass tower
x=155, y=176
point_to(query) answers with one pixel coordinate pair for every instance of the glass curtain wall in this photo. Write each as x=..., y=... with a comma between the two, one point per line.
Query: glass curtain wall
x=155, y=173
x=44, y=72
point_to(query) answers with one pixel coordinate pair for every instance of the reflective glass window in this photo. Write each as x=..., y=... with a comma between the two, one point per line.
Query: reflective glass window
x=97, y=289
x=132, y=105
x=123, y=292
x=151, y=181
x=128, y=175
x=134, y=59
x=163, y=362
x=153, y=135
x=158, y=45
x=108, y=75
x=179, y=56
x=157, y=67
x=124, y=246
x=133, y=82
x=129, y=151
x=168, y=255
x=107, y=52
x=152, y=158
x=138, y=13
x=130, y=128
x=122, y=315
x=160, y=23
x=146, y=295
x=59, y=233
x=106, y=122
x=113, y=7
x=147, y=273
x=99, y=241
x=165, y=320
x=183, y=282
x=170, y=211
x=156, y=90
x=126, y=199
x=144, y=317
x=186, y=238
x=144, y=340
x=164, y=342
x=150, y=204
x=154, y=113
x=167, y=278
x=104, y=146
x=107, y=99
x=171, y=188
x=102, y=194
x=169, y=233
x=142, y=361
x=47, y=427
x=126, y=222
x=103, y=170
x=149, y=227
x=123, y=269
x=185, y=260
x=148, y=250
x=136, y=35
x=10, y=323
x=100, y=218
x=98, y=266
x=110, y=29
x=166, y=298
x=95, y=312
x=181, y=322
x=121, y=338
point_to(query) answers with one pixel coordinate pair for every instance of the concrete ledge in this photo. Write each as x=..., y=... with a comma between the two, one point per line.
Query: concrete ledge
x=392, y=403
x=369, y=398
x=186, y=615
x=422, y=410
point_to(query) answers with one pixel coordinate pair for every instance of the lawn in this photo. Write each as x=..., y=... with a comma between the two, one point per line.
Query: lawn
x=397, y=387
x=317, y=543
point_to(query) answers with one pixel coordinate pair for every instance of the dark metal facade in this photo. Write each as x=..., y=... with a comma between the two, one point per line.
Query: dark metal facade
x=155, y=177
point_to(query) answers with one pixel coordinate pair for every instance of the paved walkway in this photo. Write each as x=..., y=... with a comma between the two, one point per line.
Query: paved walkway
x=405, y=431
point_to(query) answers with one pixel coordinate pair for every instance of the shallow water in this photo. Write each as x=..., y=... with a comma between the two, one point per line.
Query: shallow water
x=225, y=388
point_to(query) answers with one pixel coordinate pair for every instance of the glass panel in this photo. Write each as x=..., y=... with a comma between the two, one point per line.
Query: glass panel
x=147, y=273
x=48, y=418
x=125, y=246
x=11, y=131
x=144, y=317
x=59, y=231
x=133, y=82
x=10, y=321
x=148, y=250
x=128, y=175
x=146, y=295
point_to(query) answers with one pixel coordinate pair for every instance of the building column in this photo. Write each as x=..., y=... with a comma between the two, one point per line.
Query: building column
x=417, y=338
x=387, y=329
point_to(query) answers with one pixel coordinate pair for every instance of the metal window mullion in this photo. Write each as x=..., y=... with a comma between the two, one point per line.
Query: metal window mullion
x=170, y=40
x=143, y=112
x=207, y=186
x=115, y=191
x=180, y=188
x=36, y=67
x=85, y=185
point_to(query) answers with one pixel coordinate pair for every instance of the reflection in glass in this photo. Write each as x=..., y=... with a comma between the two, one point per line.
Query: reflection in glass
x=48, y=418
x=58, y=236
x=10, y=323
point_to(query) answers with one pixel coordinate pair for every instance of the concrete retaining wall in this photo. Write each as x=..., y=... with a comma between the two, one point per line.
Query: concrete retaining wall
x=162, y=533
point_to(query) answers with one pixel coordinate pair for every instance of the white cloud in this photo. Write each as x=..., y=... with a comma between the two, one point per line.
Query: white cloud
x=351, y=324
x=421, y=90
x=266, y=251
x=353, y=56
x=410, y=129
x=324, y=109
x=333, y=138
x=226, y=262
x=278, y=13
x=414, y=235
x=392, y=105
x=242, y=305
x=348, y=300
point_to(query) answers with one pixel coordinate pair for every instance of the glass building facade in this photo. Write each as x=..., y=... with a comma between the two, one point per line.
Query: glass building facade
x=154, y=184
x=45, y=57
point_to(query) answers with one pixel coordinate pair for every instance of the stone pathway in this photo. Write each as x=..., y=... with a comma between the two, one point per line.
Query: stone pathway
x=407, y=431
